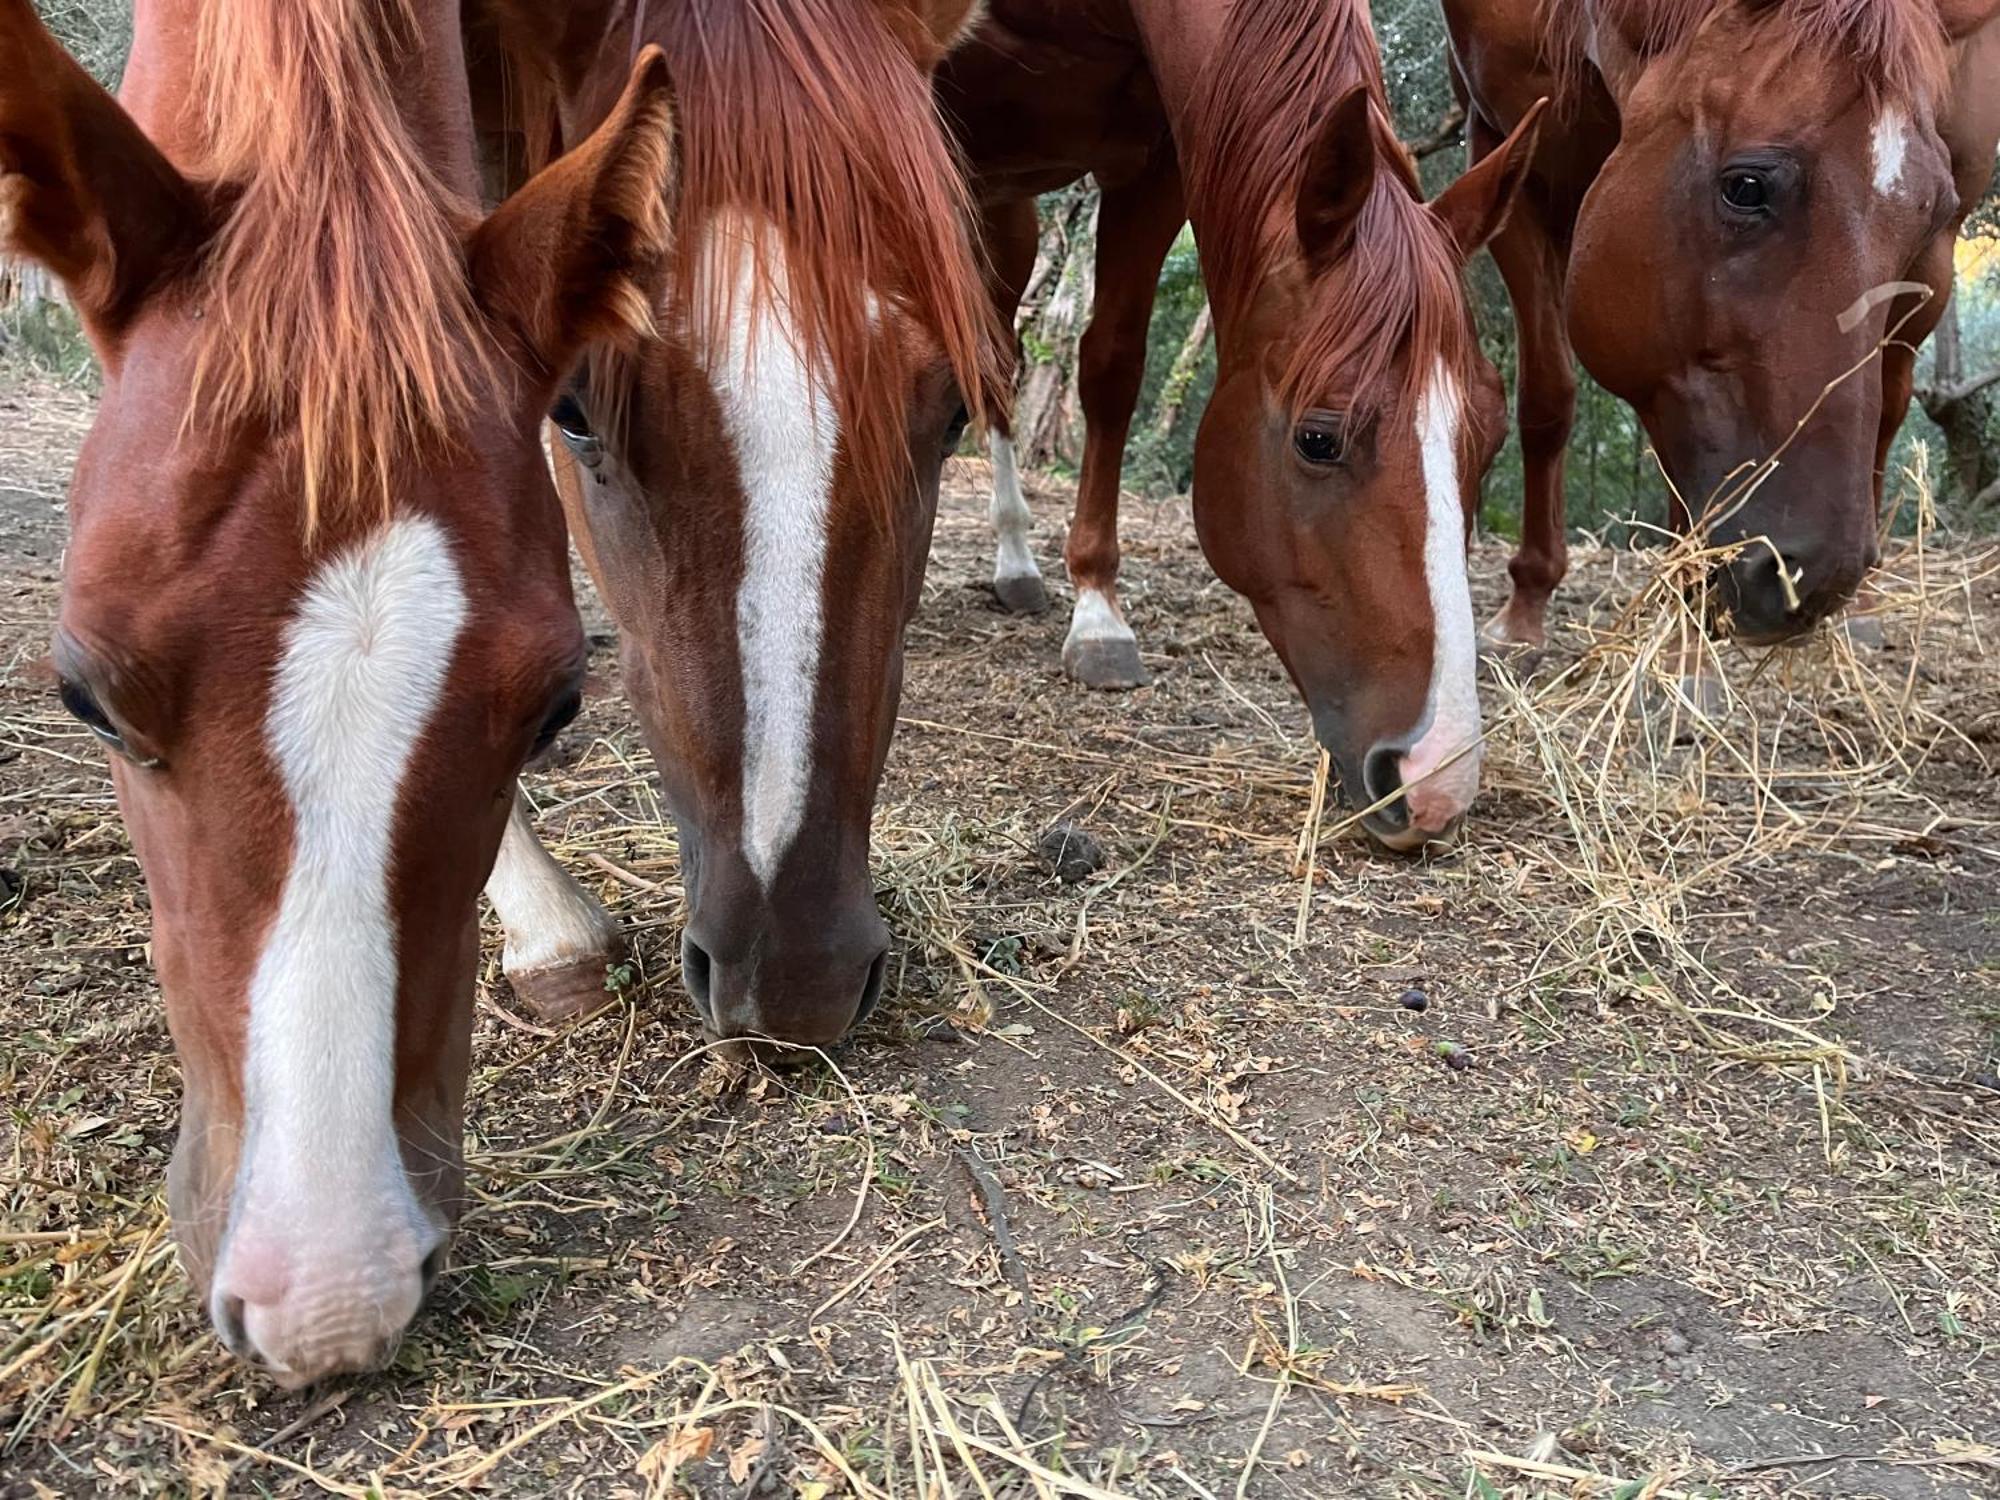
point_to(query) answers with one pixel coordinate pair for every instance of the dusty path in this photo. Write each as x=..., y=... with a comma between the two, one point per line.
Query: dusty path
x=1160, y=1198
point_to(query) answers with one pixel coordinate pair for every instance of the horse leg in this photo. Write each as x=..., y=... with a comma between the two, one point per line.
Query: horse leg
x=560, y=940
x=1012, y=235
x=1545, y=406
x=1136, y=227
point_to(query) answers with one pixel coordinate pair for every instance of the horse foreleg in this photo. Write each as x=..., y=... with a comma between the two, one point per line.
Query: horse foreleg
x=561, y=942
x=1545, y=404
x=1136, y=227
x=1012, y=235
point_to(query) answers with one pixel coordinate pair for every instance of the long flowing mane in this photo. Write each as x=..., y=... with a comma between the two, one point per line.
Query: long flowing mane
x=336, y=299
x=1281, y=66
x=809, y=115
x=1897, y=48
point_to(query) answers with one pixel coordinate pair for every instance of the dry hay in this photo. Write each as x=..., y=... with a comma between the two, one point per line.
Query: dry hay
x=1060, y=1226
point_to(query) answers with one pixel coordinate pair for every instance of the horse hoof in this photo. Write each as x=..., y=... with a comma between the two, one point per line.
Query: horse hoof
x=1022, y=593
x=1864, y=632
x=1110, y=663
x=1509, y=632
x=562, y=992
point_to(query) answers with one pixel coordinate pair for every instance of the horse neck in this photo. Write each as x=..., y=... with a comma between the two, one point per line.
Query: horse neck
x=1178, y=36
x=161, y=89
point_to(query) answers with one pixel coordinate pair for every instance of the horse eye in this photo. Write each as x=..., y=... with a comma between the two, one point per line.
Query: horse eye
x=83, y=708
x=560, y=718
x=1746, y=191
x=1321, y=439
x=567, y=414
x=956, y=430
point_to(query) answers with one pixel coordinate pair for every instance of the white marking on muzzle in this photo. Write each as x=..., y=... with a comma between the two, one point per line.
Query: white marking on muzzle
x=365, y=658
x=782, y=423
x=1889, y=149
x=1440, y=791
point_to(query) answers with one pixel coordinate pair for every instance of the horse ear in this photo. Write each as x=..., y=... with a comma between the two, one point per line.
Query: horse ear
x=1474, y=208
x=83, y=192
x=564, y=261
x=1339, y=176
x=1963, y=17
x=930, y=29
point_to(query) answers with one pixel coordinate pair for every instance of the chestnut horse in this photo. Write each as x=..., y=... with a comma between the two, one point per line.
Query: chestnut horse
x=1338, y=460
x=1735, y=203
x=316, y=602
x=753, y=490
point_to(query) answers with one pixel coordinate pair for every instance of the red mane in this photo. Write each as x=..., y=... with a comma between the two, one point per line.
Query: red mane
x=336, y=300
x=1897, y=48
x=1281, y=66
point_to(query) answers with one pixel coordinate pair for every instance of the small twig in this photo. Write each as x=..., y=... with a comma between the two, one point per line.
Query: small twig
x=996, y=1218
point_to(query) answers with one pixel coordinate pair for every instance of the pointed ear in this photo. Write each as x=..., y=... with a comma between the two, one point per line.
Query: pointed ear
x=1963, y=17
x=1339, y=176
x=930, y=29
x=564, y=262
x=82, y=190
x=1474, y=208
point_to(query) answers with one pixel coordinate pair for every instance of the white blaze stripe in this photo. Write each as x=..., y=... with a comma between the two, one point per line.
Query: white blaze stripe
x=365, y=658
x=785, y=431
x=1451, y=714
x=1889, y=148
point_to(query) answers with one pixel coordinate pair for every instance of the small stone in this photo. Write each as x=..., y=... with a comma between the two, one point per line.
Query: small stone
x=1987, y=1081
x=1455, y=1057
x=1414, y=999
x=1674, y=1342
x=1069, y=853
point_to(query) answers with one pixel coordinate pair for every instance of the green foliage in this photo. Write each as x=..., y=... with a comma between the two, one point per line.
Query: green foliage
x=45, y=335
x=98, y=33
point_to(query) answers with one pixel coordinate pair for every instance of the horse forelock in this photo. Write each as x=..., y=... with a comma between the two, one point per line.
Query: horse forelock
x=808, y=116
x=1280, y=68
x=335, y=299
x=1898, y=49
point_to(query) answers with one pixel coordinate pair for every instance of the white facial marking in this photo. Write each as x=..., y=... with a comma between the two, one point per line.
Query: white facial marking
x=785, y=431
x=1009, y=514
x=1451, y=715
x=364, y=661
x=551, y=921
x=1889, y=149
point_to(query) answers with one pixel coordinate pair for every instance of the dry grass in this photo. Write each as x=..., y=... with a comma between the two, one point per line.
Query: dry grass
x=1147, y=1186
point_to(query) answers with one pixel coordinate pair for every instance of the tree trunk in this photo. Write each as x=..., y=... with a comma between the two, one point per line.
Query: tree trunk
x=1962, y=407
x=1048, y=425
x=1180, y=374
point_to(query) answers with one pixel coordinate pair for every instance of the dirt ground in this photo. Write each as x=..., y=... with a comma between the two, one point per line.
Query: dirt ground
x=1682, y=1182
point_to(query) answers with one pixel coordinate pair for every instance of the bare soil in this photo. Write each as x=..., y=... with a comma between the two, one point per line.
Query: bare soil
x=1156, y=1200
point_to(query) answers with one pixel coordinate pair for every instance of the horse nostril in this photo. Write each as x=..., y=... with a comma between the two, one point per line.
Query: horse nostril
x=229, y=1327
x=433, y=1266
x=696, y=973
x=1382, y=776
x=871, y=991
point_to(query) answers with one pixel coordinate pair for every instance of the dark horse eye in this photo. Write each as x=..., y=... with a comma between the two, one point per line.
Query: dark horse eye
x=567, y=414
x=956, y=430
x=1746, y=191
x=1321, y=439
x=83, y=708
x=560, y=718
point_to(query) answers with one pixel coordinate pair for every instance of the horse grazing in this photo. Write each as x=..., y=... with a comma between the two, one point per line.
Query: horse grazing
x=753, y=490
x=1739, y=201
x=316, y=601
x=1338, y=460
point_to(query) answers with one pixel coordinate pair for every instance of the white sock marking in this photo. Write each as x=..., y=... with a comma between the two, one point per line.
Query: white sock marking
x=364, y=663
x=783, y=425
x=550, y=920
x=1889, y=149
x=1009, y=514
x=1451, y=710
x=1096, y=620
